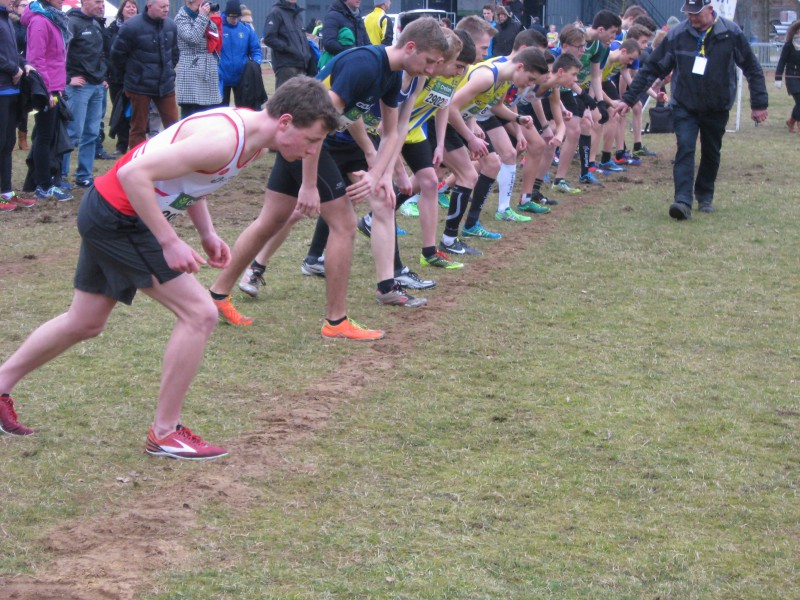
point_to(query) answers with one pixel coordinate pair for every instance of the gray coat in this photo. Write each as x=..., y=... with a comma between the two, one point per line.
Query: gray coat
x=197, y=74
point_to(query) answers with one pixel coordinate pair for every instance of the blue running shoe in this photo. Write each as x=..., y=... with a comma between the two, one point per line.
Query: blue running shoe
x=590, y=179
x=611, y=167
x=479, y=231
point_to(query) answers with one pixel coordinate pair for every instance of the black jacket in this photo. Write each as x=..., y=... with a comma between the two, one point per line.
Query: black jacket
x=250, y=92
x=725, y=47
x=284, y=33
x=86, y=52
x=503, y=42
x=146, y=52
x=339, y=16
x=10, y=59
x=22, y=35
x=789, y=67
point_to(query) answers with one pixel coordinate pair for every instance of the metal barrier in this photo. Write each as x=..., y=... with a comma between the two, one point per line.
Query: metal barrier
x=767, y=53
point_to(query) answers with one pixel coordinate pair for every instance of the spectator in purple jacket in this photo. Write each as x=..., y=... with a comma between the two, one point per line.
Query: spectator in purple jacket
x=48, y=36
x=12, y=67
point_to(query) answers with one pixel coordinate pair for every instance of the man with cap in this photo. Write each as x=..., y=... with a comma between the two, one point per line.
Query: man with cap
x=285, y=33
x=701, y=53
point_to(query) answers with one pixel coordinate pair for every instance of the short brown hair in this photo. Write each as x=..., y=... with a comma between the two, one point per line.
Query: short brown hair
x=646, y=21
x=571, y=35
x=565, y=61
x=454, y=45
x=530, y=38
x=633, y=12
x=426, y=33
x=475, y=26
x=532, y=60
x=306, y=100
x=636, y=32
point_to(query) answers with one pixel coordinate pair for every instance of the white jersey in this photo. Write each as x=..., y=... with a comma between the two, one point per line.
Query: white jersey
x=174, y=196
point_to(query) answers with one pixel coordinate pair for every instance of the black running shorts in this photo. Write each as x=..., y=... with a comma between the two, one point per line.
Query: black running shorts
x=287, y=176
x=118, y=252
x=452, y=141
x=418, y=156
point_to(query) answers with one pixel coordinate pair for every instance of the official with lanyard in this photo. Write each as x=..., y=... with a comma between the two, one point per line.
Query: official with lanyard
x=702, y=54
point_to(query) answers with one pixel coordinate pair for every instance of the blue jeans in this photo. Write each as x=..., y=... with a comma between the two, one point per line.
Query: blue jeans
x=86, y=104
x=711, y=127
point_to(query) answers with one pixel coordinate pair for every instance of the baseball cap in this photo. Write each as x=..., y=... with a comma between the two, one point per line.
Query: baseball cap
x=693, y=7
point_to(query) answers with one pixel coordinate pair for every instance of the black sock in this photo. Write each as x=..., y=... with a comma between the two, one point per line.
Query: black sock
x=605, y=157
x=620, y=153
x=637, y=146
x=217, y=296
x=336, y=322
x=479, y=195
x=385, y=286
x=428, y=251
x=585, y=147
x=257, y=267
x=400, y=199
x=320, y=239
x=537, y=186
x=459, y=200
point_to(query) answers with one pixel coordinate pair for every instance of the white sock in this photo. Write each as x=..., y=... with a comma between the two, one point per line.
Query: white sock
x=505, y=184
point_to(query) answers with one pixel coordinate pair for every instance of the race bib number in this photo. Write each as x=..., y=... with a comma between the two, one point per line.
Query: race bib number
x=440, y=95
x=178, y=206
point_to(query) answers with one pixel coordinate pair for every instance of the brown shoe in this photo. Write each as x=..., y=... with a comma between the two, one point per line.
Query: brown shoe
x=22, y=140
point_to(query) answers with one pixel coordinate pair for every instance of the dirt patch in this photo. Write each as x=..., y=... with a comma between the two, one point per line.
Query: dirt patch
x=112, y=555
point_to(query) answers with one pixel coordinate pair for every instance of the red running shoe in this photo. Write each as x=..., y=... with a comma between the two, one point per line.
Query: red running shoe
x=182, y=444
x=8, y=418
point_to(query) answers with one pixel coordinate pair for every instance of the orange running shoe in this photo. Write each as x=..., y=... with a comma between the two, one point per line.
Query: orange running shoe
x=350, y=330
x=182, y=444
x=233, y=316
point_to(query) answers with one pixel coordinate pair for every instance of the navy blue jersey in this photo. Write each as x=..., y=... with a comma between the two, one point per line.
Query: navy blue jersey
x=362, y=78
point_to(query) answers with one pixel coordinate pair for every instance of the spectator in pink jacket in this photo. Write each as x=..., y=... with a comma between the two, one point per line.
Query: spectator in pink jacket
x=48, y=36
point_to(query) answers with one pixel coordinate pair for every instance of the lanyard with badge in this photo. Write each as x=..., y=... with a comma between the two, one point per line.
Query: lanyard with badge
x=700, y=61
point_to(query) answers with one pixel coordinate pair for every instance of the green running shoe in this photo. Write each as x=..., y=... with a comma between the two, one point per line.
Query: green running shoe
x=479, y=231
x=410, y=207
x=439, y=260
x=444, y=200
x=510, y=215
x=533, y=207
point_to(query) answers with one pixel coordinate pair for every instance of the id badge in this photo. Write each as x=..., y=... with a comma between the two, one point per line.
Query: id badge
x=700, y=63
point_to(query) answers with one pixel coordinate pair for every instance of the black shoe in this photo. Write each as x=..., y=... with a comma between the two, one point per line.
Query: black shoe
x=680, y=211
x=104, y=156
x=84, y=183
x=706, y=206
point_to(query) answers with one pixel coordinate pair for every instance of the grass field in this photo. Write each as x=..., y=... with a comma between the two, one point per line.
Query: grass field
x=605, y=405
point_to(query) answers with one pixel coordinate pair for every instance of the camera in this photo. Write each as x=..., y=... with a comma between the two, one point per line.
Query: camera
x=214, y=6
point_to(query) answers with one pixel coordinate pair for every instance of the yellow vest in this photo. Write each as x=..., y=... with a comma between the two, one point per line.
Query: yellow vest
x=436, y=94
x=375, y=24
x=479, y=106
